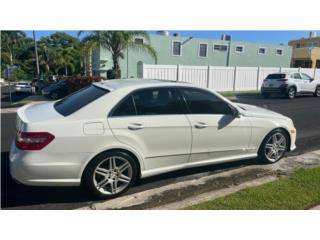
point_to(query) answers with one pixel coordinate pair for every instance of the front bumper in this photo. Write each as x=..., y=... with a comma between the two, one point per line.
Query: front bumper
x=38, y=168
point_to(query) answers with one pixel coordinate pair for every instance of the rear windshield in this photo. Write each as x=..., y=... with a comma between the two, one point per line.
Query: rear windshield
x=276, y=76
x=79, y=99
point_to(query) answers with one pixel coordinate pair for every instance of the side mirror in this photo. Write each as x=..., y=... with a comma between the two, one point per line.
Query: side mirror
x=235, y=112
x=311, y=79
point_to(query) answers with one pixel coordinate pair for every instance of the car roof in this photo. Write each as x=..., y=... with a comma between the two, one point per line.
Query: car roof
x=136, y=83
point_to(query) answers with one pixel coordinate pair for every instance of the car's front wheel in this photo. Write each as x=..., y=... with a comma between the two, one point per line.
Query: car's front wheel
x=110, y=174
x=317, y=92
x=274, y=146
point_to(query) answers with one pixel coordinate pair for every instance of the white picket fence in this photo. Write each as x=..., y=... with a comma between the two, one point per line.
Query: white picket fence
x=217, y=78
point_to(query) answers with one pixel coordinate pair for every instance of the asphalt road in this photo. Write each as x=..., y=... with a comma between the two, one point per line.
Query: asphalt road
x=305, y=112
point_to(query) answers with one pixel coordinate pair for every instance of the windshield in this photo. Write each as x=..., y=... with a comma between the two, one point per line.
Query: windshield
x=79, y=99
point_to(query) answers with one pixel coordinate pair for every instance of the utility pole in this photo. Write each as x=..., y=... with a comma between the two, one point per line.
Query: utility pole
x=37, y=58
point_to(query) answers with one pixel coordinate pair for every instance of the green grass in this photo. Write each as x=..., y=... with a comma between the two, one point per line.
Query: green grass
x=299, y=191
x=240, y=93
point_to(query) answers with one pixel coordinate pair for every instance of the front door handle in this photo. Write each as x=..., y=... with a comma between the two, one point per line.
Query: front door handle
x=135, y=126
x=201, y=125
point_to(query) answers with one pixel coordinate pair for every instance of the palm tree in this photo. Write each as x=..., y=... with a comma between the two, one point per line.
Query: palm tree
x=66, y=59
x=9, y=40
x=117, y=42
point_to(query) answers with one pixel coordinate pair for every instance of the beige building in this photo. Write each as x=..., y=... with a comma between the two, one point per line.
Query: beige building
x=306, y=52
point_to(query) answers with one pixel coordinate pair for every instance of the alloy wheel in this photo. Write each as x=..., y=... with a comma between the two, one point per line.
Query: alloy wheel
x=112, y=175
x=318, y=91
x=292, y=93
x=275, y=147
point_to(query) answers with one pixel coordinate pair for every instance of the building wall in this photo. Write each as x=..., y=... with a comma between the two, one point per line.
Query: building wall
x=190, y=55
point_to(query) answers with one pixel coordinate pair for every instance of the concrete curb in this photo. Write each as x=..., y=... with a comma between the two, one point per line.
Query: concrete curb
x=141, y=200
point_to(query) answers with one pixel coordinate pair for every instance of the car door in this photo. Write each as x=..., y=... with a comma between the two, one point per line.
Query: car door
x=153, y=122
x=217, y=133
x=299, y=82
x=310, y=85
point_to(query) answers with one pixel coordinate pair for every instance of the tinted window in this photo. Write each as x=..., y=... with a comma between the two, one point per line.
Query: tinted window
x=276, y=76
x=125, y=108
x=176, y=48
x=296, y=76
x=203, y=102
x=158, y=101
x=79, y=99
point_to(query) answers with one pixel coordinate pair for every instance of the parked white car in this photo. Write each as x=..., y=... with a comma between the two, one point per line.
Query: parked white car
x=114, y=132
x=23, y=87
x=290, y=84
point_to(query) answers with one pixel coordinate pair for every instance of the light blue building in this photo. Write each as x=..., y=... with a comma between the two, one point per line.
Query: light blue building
x=176, y=49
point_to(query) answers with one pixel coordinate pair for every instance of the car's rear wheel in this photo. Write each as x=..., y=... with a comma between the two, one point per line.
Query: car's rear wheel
x=110, y=174
x=317, y=92
x=291, y=93
x=274, y=146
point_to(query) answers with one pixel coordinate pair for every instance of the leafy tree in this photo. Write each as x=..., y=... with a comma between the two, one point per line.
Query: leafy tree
x=117, y=42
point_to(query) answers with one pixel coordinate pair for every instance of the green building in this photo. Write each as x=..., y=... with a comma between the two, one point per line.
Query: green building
x=176, y=49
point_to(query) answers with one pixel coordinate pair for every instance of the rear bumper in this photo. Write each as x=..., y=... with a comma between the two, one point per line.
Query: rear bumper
x=37, y=168
x=280, y=90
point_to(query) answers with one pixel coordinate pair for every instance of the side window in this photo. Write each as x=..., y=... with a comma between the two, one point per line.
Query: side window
x=125, y=108
x=296, y=76
x=203, y=102
x=158, y=101
x=305, y=76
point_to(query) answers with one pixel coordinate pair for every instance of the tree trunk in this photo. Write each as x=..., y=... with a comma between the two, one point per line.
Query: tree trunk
x=90, y=71
x=66, y=69
x=116, y=67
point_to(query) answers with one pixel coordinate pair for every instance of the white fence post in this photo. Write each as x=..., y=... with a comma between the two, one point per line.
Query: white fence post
x=299, y=69
x=280, y=69
x=208, y=77
x=258, y=78
x=178, y=72
x=235, y=78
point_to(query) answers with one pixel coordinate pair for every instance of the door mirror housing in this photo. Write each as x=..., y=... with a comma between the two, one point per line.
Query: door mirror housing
x=311, y=79
x=235, y=112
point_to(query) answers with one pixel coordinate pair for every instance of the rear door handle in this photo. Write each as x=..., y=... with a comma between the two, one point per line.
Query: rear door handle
x=201, y=125
x=135, y=126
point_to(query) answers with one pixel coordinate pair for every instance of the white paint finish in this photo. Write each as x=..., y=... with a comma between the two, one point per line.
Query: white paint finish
x=218, y=138
x=163, y=143
x=165, y=140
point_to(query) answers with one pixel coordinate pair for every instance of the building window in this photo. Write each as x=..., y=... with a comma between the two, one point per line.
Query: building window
x=203, y=50
x=176, y=48
x=279, y=52
x=218, y=47
x=298, y=45
x=138, y=40
x=239, y=49
x=262, y=51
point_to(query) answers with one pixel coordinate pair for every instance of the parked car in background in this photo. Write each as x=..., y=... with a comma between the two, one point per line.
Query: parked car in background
x=290, y=84
x=23, y=87
x=39, y=85
x=56, y=90
x=111, y=133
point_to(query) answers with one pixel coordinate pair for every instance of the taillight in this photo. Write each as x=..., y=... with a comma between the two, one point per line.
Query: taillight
x=282, y=80
x=33, y=140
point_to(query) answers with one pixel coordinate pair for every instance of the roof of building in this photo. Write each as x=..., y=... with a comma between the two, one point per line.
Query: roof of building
x=137, y=83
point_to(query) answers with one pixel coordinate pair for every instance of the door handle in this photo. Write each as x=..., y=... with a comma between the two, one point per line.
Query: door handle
x=135, y=126
x=201, y=125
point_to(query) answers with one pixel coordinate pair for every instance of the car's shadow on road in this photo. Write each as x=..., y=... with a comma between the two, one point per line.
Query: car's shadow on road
x=14, y=195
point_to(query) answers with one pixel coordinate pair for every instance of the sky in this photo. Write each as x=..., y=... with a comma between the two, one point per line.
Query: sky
x=273, y=37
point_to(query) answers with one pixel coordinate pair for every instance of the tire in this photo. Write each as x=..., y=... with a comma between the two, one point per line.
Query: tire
x=291, y=94
x=269, y=152
x=54, y=96
x=105, y=170
x=266, y=95
x=317, y=92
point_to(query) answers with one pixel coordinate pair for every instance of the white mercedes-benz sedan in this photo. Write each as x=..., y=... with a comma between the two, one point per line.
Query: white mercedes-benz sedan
x=108, y=135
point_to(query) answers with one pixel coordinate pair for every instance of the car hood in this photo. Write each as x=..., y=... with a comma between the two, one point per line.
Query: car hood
x=254, y=111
